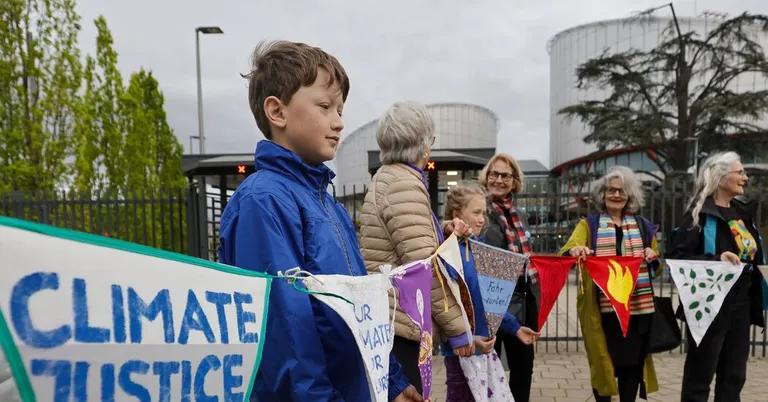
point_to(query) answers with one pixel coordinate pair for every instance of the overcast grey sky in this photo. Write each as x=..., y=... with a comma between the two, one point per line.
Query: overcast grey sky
x=492, y=53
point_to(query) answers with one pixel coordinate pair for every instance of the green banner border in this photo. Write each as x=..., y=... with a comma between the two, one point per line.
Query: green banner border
x=12, y=354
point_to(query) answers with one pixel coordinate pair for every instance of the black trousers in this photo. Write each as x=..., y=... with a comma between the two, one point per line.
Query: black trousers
x=629, y=379
x=627, y=354
x=723, y=351
x=407, y=353
x=520, y=358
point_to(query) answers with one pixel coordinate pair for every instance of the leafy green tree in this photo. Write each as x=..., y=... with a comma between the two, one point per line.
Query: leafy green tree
x=40, y=75
x=682, y=90
x=109, y=116
x=152, y=153
x=86, y=137
x=65, y=126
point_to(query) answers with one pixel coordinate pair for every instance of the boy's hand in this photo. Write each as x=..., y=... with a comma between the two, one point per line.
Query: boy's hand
x=527, y=336
x=484, y=345
x=409, y=395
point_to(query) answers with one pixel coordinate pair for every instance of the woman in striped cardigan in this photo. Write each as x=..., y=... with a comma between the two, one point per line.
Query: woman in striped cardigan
x=616, y=230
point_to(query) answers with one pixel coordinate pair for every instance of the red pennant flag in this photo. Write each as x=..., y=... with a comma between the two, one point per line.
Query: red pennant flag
x=616, y=277
x=552, y=273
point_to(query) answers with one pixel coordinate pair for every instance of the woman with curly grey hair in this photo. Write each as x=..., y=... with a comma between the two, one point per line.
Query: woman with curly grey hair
x=721, y=225
x=617, y=230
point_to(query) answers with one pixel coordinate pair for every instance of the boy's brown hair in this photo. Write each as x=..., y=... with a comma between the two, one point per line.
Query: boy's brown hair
x=280, y=68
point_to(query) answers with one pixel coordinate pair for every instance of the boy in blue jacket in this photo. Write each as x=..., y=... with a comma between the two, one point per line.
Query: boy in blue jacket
x=283, y=217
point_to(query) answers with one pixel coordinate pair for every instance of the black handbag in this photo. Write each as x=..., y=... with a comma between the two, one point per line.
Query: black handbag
x=665, y=334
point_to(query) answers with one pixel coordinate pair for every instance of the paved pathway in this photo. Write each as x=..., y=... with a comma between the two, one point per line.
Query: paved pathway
x=564, y=377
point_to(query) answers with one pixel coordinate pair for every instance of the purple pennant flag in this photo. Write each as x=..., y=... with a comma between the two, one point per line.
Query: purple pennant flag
x=414, y=285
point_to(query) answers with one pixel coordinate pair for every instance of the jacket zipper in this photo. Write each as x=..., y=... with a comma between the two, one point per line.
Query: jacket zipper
x=337, y=230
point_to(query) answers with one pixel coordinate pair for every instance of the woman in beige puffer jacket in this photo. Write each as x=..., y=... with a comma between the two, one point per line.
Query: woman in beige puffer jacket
x=397, y=226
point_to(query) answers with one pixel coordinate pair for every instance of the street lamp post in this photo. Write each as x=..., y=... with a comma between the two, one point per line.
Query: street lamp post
x=201, y=133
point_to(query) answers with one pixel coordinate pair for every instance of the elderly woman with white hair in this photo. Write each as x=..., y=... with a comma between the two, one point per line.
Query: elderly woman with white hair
x=720, y=225
x=617, y=231
x=398, y=227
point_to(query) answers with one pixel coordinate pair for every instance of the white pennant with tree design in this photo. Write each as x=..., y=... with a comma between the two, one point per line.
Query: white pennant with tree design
x=702, y=286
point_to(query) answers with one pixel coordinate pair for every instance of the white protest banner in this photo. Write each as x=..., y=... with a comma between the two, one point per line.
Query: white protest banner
x=89, y=318
x=702, y=286
x=8, y=390
x=362, y=303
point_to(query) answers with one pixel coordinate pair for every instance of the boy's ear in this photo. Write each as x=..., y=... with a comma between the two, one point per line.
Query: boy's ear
x=274, y=110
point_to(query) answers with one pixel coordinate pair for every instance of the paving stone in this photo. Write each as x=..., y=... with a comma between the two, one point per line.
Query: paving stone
x=564, y=377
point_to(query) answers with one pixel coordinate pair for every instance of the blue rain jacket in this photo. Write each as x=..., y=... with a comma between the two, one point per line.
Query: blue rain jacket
x=282, y=217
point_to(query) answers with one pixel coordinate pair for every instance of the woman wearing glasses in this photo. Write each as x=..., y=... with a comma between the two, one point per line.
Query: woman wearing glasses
x=720, y=226
x=502, y=177
x=617, y=231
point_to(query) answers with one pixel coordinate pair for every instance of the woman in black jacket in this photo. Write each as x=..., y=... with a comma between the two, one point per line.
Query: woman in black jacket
x=505, y=229
x=720, y=226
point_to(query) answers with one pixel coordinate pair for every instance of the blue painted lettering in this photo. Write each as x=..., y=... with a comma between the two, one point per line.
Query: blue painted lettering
x=22, y=322
x=186, y=380
x=83, y=331
x=118, y=314
x=194, y=318
x=220, y=299
x=61, y=370
x=231, y=381
x=81, y=381
x=164, y=371
x=130, y=387
x=208, y=363
x=244, y=317
x=108, y=383
x=161, y=304
x=364, y=313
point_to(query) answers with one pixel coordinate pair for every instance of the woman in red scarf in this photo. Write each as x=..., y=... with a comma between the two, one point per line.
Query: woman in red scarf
x=502, y=177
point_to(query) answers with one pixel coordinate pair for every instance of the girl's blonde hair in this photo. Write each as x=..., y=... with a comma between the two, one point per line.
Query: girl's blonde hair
x=458, y=197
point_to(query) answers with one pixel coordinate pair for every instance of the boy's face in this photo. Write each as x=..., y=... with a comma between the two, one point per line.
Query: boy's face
x=311, y=122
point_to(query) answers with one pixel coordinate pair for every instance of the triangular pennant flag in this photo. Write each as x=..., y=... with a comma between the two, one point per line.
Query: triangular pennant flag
x=702, y=286
x=450, y=272
x=552, y=273
x=486, y=378
x=498, y=271
x=616, y=277
x=367, y=318
x=414, y=285
x=450, y=253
